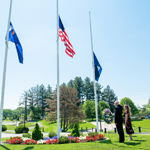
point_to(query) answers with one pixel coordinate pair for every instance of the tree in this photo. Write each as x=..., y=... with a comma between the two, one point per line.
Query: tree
x=109, y=96
x=148, y=104
x=37, y=102
x=98, y=91
x=37, y=134
x=89, y=108
x=70, y=84
x=64, y=84
x=31, y=101
x=103, y=105
x=49, y=92
x=31, y=114
x=7, y=112
x=87, y=88
x=19, y=111
x=23, y=101
x=69, y=111
x=42, y=99
x=79, y=86
x=129, y=102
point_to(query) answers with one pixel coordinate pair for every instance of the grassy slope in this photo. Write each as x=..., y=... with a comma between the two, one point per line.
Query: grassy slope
x=53, y=127
x=139, y=142
x=12, y=127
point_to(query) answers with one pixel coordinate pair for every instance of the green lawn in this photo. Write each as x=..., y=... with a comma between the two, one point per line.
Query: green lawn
x=144, y=124
x=139, y=142
x=53, y=126
x=29, y=124
x=11, y=127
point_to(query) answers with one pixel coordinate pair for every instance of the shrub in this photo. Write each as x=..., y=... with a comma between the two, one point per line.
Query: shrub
x=30, y=142
x=51, y=134
x=92, y=134
x=93, y=138
x=11, y=119
x=36, y=134
x=21, y=128
x=75, y=131
x=63, y=139
x=74, y=140
x=4, y=128
x=142, y=117
x=28, y=135
x=14, y=140
x=52, y=141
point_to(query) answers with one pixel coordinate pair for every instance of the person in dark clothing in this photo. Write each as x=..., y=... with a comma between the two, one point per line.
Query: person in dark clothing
x=119, y=121
x=127, y=119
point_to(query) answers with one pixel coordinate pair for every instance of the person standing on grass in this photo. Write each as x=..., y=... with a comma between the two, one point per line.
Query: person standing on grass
x=127, y=119
x=119, y=121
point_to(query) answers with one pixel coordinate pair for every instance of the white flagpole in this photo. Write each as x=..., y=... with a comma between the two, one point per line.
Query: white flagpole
x=4, y=73
x=58, y=130
x=94, y=76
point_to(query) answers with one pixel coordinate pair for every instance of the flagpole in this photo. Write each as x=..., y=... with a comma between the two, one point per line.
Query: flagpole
x=94, y=76
x=58, y=130
x=4, y=72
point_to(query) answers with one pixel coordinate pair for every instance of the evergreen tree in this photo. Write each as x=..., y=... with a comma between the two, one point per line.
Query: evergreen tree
x=70, y=84
x=110, y=97
x=42, y=99
x=79, y=86
x=23, y=101
x=37, y=102
x=49, y=92
x=31, y=100
x=87, y=88
x=37, y=134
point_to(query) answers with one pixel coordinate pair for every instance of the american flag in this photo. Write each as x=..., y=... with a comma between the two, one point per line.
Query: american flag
x=64, y=38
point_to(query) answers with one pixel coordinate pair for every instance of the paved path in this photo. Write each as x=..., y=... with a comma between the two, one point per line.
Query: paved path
x=10, y=122
x=104, y=125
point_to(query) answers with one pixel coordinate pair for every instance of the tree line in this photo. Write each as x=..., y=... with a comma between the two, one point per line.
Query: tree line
x=34, y=99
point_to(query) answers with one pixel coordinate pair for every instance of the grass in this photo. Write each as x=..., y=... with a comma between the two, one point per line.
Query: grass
x=49, y=127
x=12, y=127
x=53, y=126
x=144, y=124
x=139, y=142
x=90, y=119
x=29, y=124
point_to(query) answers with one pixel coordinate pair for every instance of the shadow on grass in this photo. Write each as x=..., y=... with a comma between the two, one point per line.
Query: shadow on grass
x=4, y=147
x=133, y=144
x=28, y=148
x=106, y=141
x=140, y=140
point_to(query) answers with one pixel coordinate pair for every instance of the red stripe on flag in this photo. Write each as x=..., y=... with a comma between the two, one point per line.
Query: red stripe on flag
x=64, y=38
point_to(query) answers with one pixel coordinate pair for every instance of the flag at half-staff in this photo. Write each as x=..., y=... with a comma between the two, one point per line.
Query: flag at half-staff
x=13, y=38
x=98, y=68
x=64, y=38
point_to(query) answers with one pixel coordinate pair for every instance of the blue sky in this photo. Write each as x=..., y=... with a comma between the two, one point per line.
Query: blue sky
x=121, y=34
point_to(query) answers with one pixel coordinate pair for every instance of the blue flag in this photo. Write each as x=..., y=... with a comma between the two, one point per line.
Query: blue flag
x=98, y=68
x=13, y=38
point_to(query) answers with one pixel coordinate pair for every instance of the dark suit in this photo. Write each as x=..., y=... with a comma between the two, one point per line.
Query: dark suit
x=119, y=121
